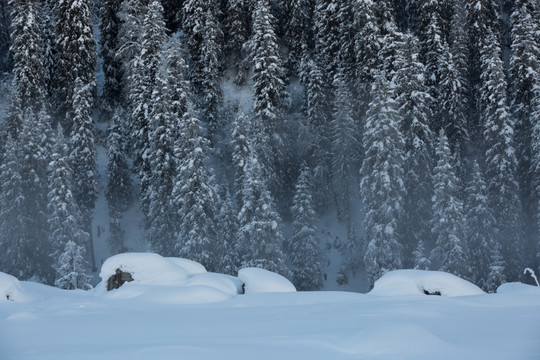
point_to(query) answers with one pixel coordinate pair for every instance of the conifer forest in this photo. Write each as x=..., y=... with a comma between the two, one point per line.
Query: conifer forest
x=235, y=127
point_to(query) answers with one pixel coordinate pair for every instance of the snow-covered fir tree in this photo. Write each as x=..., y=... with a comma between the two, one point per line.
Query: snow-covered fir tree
x=421, y=261
x=305, y=253
x=118, y=182
x=299, y=32
x=501, y=161
x=195, y=196
x=77, y=57
x=415, y=106
x=344, y=147
x=227, y=228
x=204, y=40
x=109, y=29
x=71, y=268
x=480, y=226
x=268, y=87
x=382, y=182
x=29, y=91
x=259, y=234
x=448, y=222
x=241, y=151
x=497, y=265
x=17, y=253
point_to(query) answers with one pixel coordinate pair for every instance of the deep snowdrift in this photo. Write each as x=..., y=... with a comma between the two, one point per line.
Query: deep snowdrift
x=174, y=309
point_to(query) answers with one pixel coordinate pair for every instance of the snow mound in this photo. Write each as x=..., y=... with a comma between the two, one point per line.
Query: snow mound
x=165, y=280
x=258, y=280
x=420, y=282
x=518, y=288
x=145, y=268
x=11, y=290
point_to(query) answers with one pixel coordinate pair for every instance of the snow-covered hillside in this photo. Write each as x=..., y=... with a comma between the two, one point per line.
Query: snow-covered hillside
x=134, y=321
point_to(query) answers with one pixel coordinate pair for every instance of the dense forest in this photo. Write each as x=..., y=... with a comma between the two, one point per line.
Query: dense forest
x=228, y=120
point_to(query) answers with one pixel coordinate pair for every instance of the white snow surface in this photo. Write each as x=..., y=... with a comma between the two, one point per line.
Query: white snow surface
x=172, y=319
x=263, y=281
x=11, y=290
x=415, y=282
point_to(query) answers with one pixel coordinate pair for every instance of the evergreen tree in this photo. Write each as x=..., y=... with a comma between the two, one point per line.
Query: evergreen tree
x=480, y=228
x=119, y=183
x=448, y=221
x=382, y=182
x=83, y=158
x=525, y=70
x=109, y=29
x=241, y=151
x=344, y=147
x=17, y=252
x=47, y=20
x=71, y=268
x=29, y=92
x=415, y=105
x=204, y=40
x=238, y=25
x=496, y=275
x=305, y=253
x=259, y=235
x=66, y=235
x=195, y=196
x=227, y=228
x=299, y=32
x=77, y=56
x=535, y=149
x=421, y=262
x=162, y=217
x=267, y=87
x=172, y=9
x=501, y=162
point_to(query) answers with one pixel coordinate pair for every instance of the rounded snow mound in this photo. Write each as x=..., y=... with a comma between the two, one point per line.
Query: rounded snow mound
x=518, y=288
x=11, y=290
x=258, y=280
x=157, y=279
x=421, y=282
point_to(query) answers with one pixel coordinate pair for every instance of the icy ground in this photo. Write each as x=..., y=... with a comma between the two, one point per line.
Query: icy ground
x=188, y=313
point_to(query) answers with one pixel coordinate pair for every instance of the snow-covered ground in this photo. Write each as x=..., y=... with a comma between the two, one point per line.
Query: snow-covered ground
x=174, y=309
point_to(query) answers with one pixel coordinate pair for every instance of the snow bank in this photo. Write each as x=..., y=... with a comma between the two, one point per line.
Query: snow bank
x=165, y=280
x=418, y=282
x=11, y=290
x=145, y=268
x=260, y=281
x=518, y=288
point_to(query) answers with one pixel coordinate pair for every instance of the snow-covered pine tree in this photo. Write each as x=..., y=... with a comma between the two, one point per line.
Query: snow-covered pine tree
x=448, y=222
x=29, y=91
x=421, y=262
x=195, y=196
x=204, y=40
x=415, y=105
x=535, y=152
x=82, y=157
x=142, y=82
x=36, y=146
x=268, y=88
x=304, y=251
x=454, y=105
x=71, y=268
x=172, y=9
x=16, y=251
x=109, y=28
x=327, y=36
x=480, y=226
x=501, y=161
x=162, y=217
x=238, y=24
x=382, y=181
x=497, y=265
x=525, y=69
x=64, y=216
x=241, y=151
x=119, y=182
x=344, y=147
x=227, y=228
x=47, y=21
x=299, y=32
x=259, y=235
x=77, y=57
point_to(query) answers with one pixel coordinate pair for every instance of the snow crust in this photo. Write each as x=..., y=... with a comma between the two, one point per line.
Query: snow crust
x=518, y=288
x=258, y=280
x=415, y=282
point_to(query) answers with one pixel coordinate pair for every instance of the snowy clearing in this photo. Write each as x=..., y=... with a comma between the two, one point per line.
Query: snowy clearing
x=193, y=314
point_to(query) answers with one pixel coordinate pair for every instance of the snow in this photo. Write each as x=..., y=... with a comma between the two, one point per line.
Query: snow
x=263, y=281
x=175, y=321
x=415, y=282
x=11, y=290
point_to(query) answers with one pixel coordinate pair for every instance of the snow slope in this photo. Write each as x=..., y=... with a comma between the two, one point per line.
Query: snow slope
x=57, y=324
